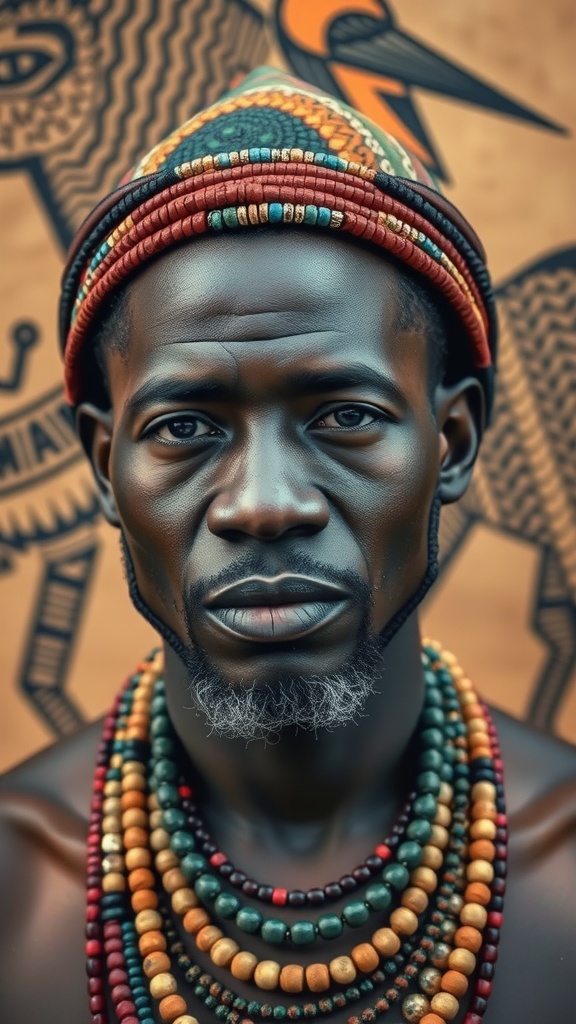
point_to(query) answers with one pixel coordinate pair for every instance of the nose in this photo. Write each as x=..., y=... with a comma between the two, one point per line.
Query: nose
x=266, y=496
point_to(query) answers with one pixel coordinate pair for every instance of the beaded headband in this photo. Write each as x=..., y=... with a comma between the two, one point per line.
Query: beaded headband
x=275, y=151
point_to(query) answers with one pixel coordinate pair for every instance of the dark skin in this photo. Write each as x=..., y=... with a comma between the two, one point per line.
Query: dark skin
x=344, y=473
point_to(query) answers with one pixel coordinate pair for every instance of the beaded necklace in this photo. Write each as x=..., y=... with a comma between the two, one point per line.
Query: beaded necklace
x=436, y=884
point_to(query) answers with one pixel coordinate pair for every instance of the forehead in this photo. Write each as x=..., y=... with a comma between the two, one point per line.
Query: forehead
x=279, y=297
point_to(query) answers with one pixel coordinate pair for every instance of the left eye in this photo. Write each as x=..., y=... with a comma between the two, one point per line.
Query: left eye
x=350, y=416
x=182, y=428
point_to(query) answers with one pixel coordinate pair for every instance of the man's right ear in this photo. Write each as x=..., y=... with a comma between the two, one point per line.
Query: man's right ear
x=94, y=428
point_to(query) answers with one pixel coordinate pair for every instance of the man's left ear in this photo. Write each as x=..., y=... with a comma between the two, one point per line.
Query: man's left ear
x=460, y=411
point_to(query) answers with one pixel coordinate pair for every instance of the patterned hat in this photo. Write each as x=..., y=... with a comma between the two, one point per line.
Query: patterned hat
x=276, y=151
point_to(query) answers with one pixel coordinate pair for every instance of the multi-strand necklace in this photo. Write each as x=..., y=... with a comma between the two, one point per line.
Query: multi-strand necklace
x=431, y=892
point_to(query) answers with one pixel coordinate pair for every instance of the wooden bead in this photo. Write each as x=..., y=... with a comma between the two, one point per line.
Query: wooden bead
x=135, y=817
x=133, y=799
x=480, y=871
x=483, y=828
x=138, y=857
x=113, y=882
x=292, y=978
x=111, y=805
x=243, y=966
x=403, y=921
x=171, y=1007
x=455, y=983
x=183, y=900
x=342, y=970
x=484, y=809
x=432, y=1018
x=474, y=914
x=445, y=1005
x=446, y=793
x=195, y=919
x=174, y=879
x=207, y=936
x=155, y=963
x=112, y=788
x=133, y=781
x=483, y=791
x=482, y=849
x=414, y=899
x=111, y=823
x=443, y=816
x=440, y=837
x=144, y=899
x=468, y=938
x=365, y=957
x=432, y=857
x=150, y=941
x=223, y=952
x=477, y=892
x=317, y=977
x=141, y=878
x=166, y=859
x=462, y=960
x=159, y=839
x=424, y=878
x=163, y=984
x=156, y=820
x=147, y=921
x=386, y=941
x=266, y=974
x=186, y=1018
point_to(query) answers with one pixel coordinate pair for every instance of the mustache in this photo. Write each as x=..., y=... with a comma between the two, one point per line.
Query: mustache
x=260, y=564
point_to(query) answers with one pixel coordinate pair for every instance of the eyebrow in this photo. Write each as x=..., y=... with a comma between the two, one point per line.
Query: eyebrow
x=302, y=382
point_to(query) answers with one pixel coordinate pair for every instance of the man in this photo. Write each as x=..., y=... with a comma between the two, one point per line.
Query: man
x=279, y=342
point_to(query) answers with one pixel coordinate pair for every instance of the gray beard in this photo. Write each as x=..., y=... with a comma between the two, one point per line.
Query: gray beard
x=255, y=712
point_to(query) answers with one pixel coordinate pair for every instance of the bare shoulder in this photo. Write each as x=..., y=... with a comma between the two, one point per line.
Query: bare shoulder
x=44, y=805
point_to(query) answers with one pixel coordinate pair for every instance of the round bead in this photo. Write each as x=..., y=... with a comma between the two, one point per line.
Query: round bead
x=227, y=905
x=174, y=879
x=266, y=974
x=355, y=913
x=183, y=900
x=171, y=1007
x=482, y=849
x=483, y=829
x=480, y=871
x=317, y=977
x=455, y=983
x=409, y=853
x=208, y=887
x=155, y=963
x=440, y=837
x=468, y=938
x=141, y=878
x=274, y=930
x=147, y=921
x=424, y=878
x=207, y=936
x=396, y=876
x=429, y=980
x=223, y=952
x=249, y=920
x=365, y=957
x=150, y=941
x=113, y=882
x=303, y=933
x=243, y=966
x=439, y=955
x=445, y=1004
x=186, y=1018
x=414, y=899
x=137, y=857
x=292, y=978
x=342, y=970
x=386, y=941
x=474, y=914
x=477, y=892
x=414, y=1007
x=432, y=857
x=195, y=919
x=164, y=860
x=329, y=926
x=432, y=1018
x=163, y=984
x=144, y=899
x=403, y=921
x=462, y=960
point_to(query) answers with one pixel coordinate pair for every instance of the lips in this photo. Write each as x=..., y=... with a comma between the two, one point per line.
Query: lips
x=276, y=609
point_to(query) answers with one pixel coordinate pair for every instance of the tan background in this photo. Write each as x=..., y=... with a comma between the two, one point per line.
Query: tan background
x=513, y=180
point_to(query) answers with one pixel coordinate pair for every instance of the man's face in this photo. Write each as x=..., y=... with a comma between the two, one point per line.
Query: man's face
x=274, y=452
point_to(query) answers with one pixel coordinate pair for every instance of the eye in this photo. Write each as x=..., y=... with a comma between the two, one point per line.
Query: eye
x=351, y=417
x=181, y=428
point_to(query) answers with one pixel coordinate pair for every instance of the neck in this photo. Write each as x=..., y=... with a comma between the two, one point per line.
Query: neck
x=320, y=796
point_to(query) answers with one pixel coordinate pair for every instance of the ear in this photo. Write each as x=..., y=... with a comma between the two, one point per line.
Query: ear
x=94, y=427
x=460, y=411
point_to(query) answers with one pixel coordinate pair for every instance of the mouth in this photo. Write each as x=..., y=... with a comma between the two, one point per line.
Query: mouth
x=275, y=610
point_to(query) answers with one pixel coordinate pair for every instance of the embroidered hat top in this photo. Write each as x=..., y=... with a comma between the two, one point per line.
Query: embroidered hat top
x=277, y=151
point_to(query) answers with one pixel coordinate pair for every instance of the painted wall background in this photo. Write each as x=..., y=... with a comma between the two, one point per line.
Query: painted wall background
x=485, y=92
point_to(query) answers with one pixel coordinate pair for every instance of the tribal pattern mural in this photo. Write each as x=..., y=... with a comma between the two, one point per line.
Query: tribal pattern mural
x=85, y=87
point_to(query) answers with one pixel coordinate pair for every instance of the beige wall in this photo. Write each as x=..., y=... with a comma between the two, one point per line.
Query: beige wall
x=513, y=180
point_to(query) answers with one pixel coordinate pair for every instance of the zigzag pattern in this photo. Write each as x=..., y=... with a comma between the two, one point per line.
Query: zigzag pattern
x=527, y=464
x=160, y=63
